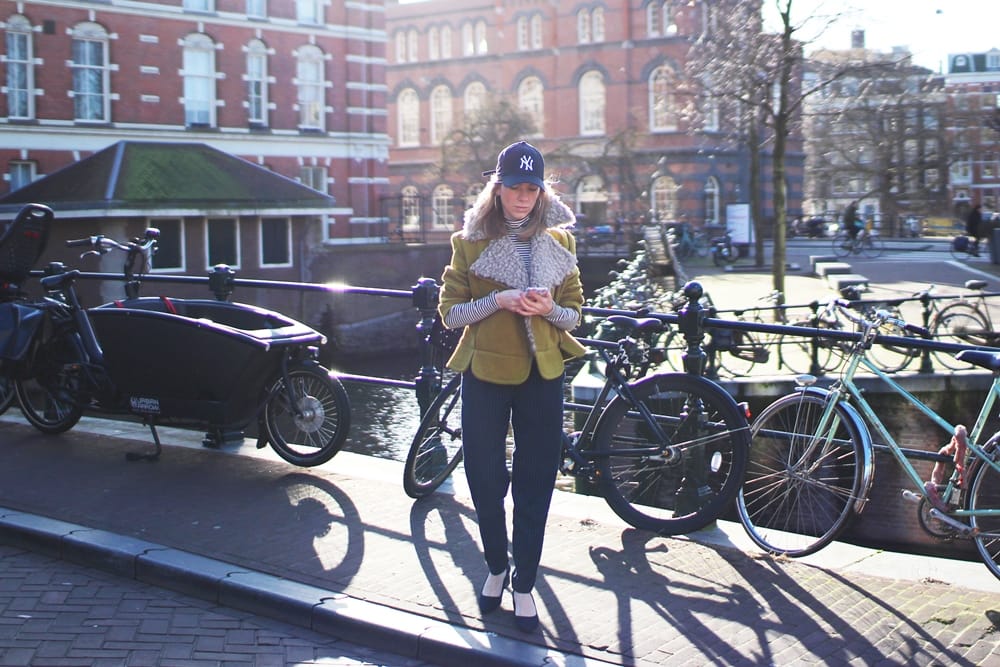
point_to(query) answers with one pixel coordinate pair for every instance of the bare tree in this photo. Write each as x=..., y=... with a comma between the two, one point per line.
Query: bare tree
x=481, y=136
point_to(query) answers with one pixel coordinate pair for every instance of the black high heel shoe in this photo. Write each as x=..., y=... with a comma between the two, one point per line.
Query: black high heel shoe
x=488, y=603
x=525, y=623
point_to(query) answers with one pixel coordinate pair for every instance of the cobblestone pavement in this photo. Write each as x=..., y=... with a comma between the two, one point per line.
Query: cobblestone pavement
x=56, y=613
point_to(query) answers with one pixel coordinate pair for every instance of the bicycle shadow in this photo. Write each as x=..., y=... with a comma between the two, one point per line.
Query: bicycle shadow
x=761, y=599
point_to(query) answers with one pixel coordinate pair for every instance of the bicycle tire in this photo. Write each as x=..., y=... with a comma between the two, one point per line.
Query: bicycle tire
x=707, y=429
x=795, y=506
x=7, y=393
x=961, y=255
x=436, y=449
x=984, y=494
x=872, y=246
x=48, y=394
x=960, y=323
x=893, y=358
x=314, y=430
x=796, y=352
x=842, y=246
x=741, y=358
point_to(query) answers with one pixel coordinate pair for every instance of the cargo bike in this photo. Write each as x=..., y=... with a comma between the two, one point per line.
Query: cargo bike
x=197, y=363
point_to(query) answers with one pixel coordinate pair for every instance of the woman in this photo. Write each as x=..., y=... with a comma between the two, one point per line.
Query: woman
x=513, y=283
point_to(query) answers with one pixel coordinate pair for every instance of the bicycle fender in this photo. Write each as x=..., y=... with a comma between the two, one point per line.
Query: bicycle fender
x=867, y=462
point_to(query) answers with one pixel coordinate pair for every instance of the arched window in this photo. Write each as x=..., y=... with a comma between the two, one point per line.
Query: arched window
x=597, y=25
x=410, y=208
x=583, y=26
x=311, y=84
x=663, y=199
x=20, y=68
x=442, y=208
x=482, y=46
x=440, y=114
x=475, y=99
x=446, y=41
x=408, y=110
x=536, y=31
x=433, y=44
x=711, y=196
x=91, y=78
x=592, y=104
x=662, y=106
x=256, y=78
x=199, y=80
x=531, y=100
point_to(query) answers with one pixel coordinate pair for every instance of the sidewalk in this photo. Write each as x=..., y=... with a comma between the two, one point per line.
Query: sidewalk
x=341, y=549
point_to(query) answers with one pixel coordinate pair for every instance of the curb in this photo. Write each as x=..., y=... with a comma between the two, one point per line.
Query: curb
x=321, y=610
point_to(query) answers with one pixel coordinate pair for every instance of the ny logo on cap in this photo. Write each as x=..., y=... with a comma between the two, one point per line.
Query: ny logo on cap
x=526, y=163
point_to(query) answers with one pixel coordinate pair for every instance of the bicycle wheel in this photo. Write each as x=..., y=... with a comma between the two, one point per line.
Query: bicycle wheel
x=307, y=421
x=893, y=358
x=842, y=245
x=48, y=397
x=740, y=359
x=872, y=246
x=436, y=449
x=642, y=483
x=802, y=483
x=960, y=250
x=796, y=352
x=984, y=494
x=701, y=245
x=960, y=323
x=7, y=393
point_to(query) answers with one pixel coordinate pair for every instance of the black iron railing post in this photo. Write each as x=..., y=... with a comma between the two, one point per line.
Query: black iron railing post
x=690, y=322
x=925, y=354
x=814, y=367
x=428, y=382
x=220, y=281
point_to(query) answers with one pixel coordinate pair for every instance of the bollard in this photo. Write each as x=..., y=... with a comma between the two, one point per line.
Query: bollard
x=220, y=281
x=814, y=368
x=428, y=382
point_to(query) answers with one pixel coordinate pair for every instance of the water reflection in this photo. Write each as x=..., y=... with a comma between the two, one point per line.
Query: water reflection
x=383, y=419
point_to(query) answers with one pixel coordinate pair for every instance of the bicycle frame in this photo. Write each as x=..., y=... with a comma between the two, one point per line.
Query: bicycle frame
x=845, y=389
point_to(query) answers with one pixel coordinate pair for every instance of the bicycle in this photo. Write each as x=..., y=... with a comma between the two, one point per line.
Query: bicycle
x=688, y=242
x=965, y=320
x=963, y=247
x=811, y=461
x=746, y=349
x=864, y=243
x=835, y=315
x=667, y=452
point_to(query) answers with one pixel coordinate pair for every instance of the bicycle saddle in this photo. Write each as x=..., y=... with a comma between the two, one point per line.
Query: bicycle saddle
x=981, y=358
x=24, y=241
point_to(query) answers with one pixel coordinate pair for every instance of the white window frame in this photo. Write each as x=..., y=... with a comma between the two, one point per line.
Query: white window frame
x=181, y=243
x=583, y=26
x=536, y=31
x=19, y=59
x=314, y=176
x=21, y=173
x=409, y=208
x=442, y=208
x=91, y=76
x=474, y=99
x=482, y=45
x=257, y=9
x=199, y=5
x=211, y=222
x=287, y=241
x=531, y=100
x=446, y=41
x=592, y=103
x=199, y=80
x=408, y=118
x=662, y=114
x=663, y=198
x=597, y=25
x=441, y=114
x=256, y=80
x=310, y=86
x=309, y=12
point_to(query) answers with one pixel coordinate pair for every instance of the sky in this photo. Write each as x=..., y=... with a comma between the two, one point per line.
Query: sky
x=931, y=29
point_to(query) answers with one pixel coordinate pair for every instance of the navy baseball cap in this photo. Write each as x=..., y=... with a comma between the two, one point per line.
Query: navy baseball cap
x=520, y=163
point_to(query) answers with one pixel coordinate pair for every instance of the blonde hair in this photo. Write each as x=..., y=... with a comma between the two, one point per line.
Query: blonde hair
x=489, y=212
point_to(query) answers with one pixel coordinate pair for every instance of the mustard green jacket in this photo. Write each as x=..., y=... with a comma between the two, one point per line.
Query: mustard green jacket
x=500, y=348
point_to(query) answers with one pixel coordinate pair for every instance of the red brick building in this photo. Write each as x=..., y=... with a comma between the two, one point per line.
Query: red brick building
x=296, y=86
x=601, y=81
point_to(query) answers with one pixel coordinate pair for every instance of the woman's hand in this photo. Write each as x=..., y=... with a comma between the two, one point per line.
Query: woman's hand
x=526, y=302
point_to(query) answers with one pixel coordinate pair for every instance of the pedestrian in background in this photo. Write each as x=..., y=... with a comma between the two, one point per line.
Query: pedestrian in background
x=974, y=226
x=513, y=283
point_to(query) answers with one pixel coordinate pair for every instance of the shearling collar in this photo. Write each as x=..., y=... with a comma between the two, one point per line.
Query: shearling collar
x=550, y=263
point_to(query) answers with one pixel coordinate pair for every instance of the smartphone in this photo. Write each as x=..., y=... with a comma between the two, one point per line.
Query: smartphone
x=537, y=290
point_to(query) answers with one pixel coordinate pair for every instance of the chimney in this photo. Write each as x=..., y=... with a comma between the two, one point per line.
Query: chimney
x=857, y=39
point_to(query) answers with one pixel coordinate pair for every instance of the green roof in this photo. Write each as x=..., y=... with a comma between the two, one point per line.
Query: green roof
x=153, y=175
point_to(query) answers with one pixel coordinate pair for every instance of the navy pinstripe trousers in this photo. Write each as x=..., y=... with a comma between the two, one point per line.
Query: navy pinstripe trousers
x=534, y=411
